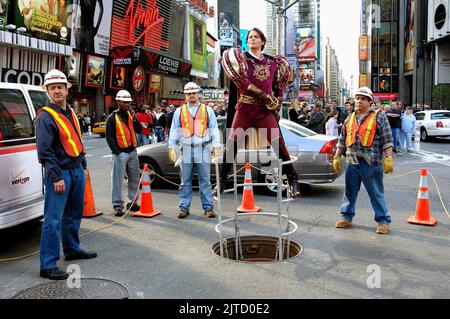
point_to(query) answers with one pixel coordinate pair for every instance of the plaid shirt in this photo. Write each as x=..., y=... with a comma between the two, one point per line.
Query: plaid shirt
x=382, y=140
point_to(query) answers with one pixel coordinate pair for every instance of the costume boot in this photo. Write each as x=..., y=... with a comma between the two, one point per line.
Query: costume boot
x=226, y=167
x=291, y=174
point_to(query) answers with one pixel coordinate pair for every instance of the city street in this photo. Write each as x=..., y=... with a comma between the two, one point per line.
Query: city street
x=167, y=257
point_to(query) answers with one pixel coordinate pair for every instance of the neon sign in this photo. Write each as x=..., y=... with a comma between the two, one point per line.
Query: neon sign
x=148, y=18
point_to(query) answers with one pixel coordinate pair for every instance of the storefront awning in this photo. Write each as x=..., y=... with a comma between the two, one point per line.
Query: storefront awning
x=161, y=63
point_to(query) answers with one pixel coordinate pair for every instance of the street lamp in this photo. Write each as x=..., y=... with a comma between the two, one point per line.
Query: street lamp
x=280, y=24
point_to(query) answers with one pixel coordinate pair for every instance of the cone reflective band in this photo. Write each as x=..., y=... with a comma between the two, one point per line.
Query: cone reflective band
x=248, y=200
x=147, y=210
x=422, y=216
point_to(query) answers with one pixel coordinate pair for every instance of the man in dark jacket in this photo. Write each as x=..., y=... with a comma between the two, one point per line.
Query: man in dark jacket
x=317, y=121
x=121, y=130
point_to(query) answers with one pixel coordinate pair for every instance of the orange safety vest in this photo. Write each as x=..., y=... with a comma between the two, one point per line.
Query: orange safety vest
x=70, y=136
x=191, y=126
x=366, y=131
x=125, y=135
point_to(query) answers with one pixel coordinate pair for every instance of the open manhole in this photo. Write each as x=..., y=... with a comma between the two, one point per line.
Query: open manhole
x=90, y=288
x=258, y=249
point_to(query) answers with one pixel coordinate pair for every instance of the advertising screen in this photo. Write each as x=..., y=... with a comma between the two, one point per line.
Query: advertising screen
x=46, y=20
x=198, y=44
x=3, y=13
x=95, y=74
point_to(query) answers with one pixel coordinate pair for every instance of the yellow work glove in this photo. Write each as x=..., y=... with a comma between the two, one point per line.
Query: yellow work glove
x=388, y=165
x=217, y=152
x=337, y=163
x=172, y=155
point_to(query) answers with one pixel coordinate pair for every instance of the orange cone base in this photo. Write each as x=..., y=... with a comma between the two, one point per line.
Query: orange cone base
x=414, y=220
x=248, y=210
x=93, y=214
x=146, y=215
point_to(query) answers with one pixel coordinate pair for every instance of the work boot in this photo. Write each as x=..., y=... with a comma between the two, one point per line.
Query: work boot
x=54, y=274
x=382, y=229
x=118, y=212
x=210, y=214
x=183, y=214
x=343, y=223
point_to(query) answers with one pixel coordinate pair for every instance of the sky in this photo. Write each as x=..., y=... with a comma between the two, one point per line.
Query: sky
x=340, y=21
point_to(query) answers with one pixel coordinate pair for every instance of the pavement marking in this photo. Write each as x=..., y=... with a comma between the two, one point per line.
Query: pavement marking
x=426, y=157
x=107, y=156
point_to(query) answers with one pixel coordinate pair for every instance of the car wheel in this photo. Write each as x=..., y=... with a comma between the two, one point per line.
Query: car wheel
x=153, y=167
x=102, y=135
x=423, y=135
x=270, y=177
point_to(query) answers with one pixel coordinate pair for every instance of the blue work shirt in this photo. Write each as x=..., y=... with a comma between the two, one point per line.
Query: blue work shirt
x=50, y=150
x=212, y=136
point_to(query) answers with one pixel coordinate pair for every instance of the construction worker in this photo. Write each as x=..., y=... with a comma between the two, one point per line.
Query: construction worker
x=194, y=126
x=366, y=136
x=121, y=130
x=61, y=152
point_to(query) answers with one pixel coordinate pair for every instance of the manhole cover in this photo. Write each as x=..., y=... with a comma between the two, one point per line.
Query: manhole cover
x=90, y=288
x=257, y=249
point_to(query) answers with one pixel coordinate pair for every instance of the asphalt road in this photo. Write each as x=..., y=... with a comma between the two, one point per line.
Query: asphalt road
x=165, y=257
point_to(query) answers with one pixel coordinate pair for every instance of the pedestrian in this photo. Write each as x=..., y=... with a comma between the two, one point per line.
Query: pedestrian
x=194, y=127
x=160, y=124
x=121, y=129
x=394, y=117
x=367, y=141
x=60, y=150
x=260, y=81
x=408, y=129
x=331, y=127
x=317, y=121
x=147, y=125
x=294, y=111
x=170, y=113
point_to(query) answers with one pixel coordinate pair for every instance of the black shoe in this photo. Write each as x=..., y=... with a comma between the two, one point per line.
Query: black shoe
x=134, y=208
x=54, y=274
x=183, y=214
x=294, y=188
x=118, y=212
x=81, y=255
x=222, y=189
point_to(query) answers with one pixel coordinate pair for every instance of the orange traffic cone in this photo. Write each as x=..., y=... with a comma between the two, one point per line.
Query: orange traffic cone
x=248, y=200
x=422, y=216
x=89, y=204
x=147, y=210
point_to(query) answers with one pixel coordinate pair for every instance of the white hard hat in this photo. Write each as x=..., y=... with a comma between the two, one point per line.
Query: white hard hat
x=124, y=95
x=55, y=76
x=365, y=91
x=191, y=87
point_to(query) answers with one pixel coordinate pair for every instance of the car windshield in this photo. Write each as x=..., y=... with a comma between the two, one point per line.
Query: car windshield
x=39, y=99
x=440, y=116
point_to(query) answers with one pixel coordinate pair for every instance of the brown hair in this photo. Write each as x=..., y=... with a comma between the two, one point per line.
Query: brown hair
x=261, y=35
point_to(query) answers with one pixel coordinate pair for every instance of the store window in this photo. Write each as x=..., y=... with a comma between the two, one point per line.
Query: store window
x=15, y=118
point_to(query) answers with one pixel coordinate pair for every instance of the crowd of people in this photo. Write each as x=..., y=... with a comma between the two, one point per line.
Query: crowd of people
x=330, y=119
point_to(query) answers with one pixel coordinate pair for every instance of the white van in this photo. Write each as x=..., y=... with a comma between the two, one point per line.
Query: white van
x=21, y=182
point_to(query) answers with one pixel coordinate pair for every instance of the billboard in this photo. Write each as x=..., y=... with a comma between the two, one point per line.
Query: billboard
x=91, y=21
x=4, y=4
x=118, y=77
x=226, y=34
x=307, y=50
x=243, y=36
x=363, y=48
x=72, y=67
x=198, y=44
x=409, y=37
x=95, y=72
x=46, y=20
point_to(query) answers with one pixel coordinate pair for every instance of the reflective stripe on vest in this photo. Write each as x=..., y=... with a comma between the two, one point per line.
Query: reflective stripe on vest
x=70, y=136
x=125, y=135
x=366, y=131
x=188, y=127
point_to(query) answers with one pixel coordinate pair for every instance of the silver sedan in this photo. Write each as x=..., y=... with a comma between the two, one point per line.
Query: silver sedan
x=314, y=152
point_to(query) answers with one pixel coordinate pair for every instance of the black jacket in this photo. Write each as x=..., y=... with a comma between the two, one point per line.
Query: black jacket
x=111, y=132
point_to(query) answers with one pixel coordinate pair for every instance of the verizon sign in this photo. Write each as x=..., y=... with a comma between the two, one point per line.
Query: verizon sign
x=19, y=176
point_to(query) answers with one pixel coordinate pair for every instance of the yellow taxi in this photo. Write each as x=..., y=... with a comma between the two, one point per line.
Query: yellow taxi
x=99, y=128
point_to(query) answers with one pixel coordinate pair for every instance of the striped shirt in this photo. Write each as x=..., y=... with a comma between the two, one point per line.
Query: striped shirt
x=382, y=140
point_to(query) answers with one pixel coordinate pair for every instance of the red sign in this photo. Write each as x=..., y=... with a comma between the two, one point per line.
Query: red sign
x=149, y=18
x=138, y=79
x=386, y=96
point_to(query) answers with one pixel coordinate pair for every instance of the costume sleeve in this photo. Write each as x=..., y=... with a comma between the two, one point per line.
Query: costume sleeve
x=234, y=65
x=282, y=75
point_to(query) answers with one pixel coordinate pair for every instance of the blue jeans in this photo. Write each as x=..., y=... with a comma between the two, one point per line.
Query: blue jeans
x=396, y=136
x=159, y=133
x=124, y=163
x=199, y=158
x=62, y=217
x=372, y=178
x=142, y=139
x=406, y=138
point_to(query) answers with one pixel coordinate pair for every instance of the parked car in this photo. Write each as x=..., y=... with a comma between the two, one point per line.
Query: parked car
x=314, y=151
x=99, y=128
x=433, y=123
x=21, y=182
